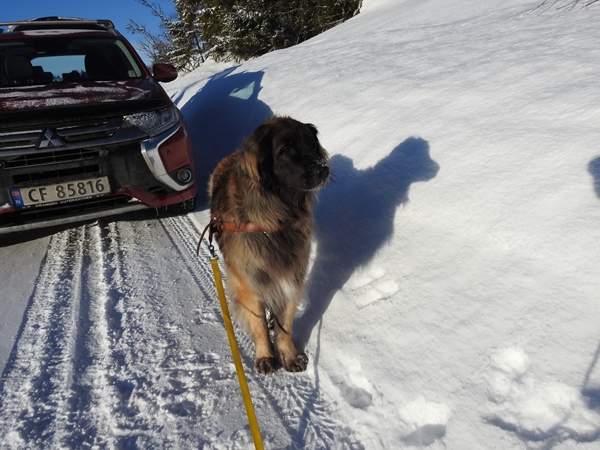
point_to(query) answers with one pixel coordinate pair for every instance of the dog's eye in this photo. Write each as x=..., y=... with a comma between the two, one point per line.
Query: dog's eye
x=288, y=150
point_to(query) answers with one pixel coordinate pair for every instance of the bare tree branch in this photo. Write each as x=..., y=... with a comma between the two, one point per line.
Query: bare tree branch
x=568, y=5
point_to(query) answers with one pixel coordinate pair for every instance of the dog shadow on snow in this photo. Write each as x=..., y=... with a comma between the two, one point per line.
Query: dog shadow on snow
x=355, y=217
x=219, y=116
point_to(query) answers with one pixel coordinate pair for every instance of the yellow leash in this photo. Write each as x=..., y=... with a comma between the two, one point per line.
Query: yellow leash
x=237, y=360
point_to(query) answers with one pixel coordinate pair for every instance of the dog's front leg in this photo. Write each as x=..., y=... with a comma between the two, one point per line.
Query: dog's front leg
x=265, y=361
x=289, y=357
x=249, y=312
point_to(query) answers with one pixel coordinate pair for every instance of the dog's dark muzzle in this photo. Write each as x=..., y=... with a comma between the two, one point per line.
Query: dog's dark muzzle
x=319, y=169
x=317, y=173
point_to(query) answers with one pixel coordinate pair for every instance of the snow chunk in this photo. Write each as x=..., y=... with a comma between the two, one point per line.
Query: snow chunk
x=419, y=413
x=512, y=361
x=353, y=385
x=537, y=411
x=426, y=421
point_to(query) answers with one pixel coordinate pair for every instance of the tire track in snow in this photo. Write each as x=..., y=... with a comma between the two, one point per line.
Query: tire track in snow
x=123, y=346
x=95, y=398
x=35, y=394
x=299, y=408
x=63, y=387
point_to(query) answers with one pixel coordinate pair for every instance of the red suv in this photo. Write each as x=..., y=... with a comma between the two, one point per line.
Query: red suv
x=86, y=130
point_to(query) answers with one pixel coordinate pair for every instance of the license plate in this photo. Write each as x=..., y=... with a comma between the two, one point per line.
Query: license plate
x=60, y=192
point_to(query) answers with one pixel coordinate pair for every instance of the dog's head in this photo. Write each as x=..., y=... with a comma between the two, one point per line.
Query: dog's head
x=286, y=155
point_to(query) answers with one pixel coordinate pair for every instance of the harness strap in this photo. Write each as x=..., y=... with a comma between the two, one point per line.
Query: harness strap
x=243, y=227
x=217, y=226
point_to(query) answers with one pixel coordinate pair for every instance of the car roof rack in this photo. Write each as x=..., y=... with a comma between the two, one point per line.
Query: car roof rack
x=54, y=22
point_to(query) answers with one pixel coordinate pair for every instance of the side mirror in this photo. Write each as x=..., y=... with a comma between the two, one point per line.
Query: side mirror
x=164, y=72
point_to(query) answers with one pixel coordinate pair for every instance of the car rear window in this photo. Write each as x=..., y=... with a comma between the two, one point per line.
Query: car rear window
x=65, y=60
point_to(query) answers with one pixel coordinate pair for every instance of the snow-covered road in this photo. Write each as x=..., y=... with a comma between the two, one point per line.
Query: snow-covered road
x=113, y=352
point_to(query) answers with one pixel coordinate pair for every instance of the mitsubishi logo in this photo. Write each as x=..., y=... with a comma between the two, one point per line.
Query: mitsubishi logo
x=50, y=139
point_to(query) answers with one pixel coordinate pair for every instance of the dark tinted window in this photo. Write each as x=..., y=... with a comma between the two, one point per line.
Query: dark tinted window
x=63, y=60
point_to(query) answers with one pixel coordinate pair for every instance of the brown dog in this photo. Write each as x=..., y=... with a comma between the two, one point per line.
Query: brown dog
x=265, y=192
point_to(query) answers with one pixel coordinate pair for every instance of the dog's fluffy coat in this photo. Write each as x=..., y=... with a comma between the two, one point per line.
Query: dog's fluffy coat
x=271, y=180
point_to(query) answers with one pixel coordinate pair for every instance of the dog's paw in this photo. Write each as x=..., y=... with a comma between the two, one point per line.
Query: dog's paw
x=266, y=366
x=297, y=364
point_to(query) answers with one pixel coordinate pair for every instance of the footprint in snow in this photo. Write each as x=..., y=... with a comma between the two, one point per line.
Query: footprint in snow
x=368, y=286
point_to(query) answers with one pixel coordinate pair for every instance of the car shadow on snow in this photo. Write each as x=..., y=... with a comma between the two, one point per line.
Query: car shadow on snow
x=219, y=116
x=19, y=237
x=355, y=217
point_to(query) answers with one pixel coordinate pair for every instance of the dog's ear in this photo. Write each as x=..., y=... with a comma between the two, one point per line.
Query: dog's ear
x=312, y=128
x=258, y=157
x=265, y=162
x=320, y=150
x=263, y=138
x=249, y=165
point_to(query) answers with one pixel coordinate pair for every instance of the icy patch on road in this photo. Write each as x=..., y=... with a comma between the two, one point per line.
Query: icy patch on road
x=537, y=412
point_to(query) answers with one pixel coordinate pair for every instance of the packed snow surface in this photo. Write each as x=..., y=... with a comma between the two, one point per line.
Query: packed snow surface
x=453, y=299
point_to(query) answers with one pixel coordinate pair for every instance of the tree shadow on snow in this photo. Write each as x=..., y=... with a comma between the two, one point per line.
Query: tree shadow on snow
x=355, y=217
x=591, y=388
x=219, y=117
x=594, y=169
